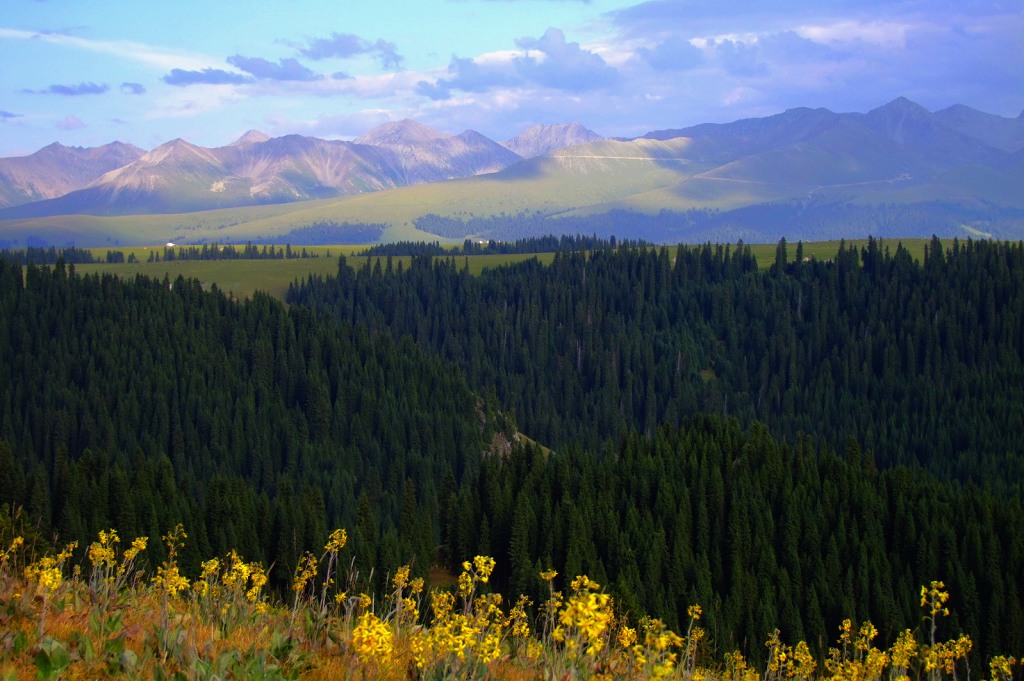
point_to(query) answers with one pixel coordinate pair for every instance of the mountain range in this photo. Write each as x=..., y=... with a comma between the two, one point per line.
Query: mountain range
x=179, y=177
x=806, y=172
x=56, y=170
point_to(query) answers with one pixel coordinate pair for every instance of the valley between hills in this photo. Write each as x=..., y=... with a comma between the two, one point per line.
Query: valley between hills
x=523, y=464
x=811, y=174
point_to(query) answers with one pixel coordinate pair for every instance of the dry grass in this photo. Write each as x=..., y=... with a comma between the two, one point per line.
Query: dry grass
x=218, y=627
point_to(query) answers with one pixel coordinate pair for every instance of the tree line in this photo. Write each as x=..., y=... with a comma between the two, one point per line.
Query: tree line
x=542, y=244
x=216, y=251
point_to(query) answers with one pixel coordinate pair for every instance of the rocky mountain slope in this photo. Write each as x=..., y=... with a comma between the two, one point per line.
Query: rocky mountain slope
x=56, y=170
x=538, y=140
x=180, y=177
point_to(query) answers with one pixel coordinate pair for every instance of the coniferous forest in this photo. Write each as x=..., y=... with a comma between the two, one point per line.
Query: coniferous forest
x=787, y=446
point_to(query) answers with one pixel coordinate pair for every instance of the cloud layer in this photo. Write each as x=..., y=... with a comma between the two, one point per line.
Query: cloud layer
x=207, y=76
x=500, y=66
x=347, y=45
x=74, y=90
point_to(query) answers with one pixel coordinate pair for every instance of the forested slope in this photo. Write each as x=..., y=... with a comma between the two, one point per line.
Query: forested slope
x=921, y=363
x=763, y=534
x=870, y=443
x=143, y=404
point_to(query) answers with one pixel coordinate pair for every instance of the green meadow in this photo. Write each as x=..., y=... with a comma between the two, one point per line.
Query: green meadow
x=241, y=278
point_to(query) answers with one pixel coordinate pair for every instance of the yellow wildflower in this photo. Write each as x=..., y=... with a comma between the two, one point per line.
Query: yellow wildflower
x=1000, y=667
x=934, y=598
x=45, y=572
x=627, y=637
x=101, y=553
x=465, y=584
x=336, y=542
x=903, y=650
x=169, y=580
x=484, y=567
x=401, y=578
x=372, y=639
x=16, y=543
x=131, y=553
x=304, y=571
x=518, y=621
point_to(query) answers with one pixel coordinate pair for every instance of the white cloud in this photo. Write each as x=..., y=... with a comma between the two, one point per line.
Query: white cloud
x=882, y=33
x=505, y=57
x=159, y=57
x=195, y=100
x=344, y=126
x=70, y=123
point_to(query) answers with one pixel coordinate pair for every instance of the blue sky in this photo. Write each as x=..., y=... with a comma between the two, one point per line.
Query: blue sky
x=87, y=72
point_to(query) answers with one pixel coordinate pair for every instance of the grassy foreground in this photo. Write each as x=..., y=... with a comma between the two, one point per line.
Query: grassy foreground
x=108, y=618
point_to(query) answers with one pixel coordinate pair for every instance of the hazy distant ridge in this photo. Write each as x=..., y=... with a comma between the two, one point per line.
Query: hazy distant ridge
x=178, y=176
x=897, y=169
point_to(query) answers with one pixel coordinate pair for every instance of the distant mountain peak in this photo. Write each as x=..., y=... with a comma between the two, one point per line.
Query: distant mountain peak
x=250, y=137
x=901, y=106
x=541, y=139
x=56, y=170
x=996, y=131
x=471, y=135
x=175, y=145
x=958, y=109
x=175, y=151
x=405, y=132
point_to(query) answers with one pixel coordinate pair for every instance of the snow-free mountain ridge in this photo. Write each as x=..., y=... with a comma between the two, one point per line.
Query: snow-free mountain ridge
x=805, y=172
x=178, y=176
x=540, y=139
x=56, y=170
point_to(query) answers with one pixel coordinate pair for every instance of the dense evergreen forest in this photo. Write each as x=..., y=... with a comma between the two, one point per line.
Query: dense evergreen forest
x=36, y=255
x=762, y=533
x=787, y=447
x=545, y=244
x=332, y=232
x=142, y=404
x=921, y=363
x=72, y=255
